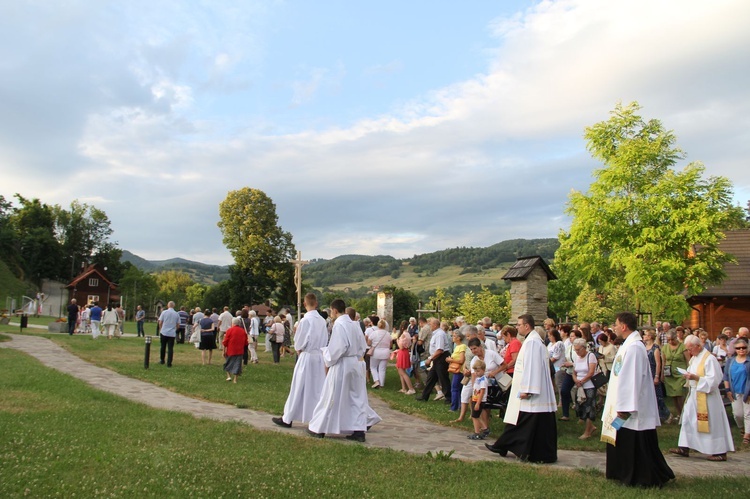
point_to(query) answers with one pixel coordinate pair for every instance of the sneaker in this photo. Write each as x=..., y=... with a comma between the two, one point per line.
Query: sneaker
x=411, y=392
x=375, y=385
x=485, y=432
x=440, y=396
x=476, y=436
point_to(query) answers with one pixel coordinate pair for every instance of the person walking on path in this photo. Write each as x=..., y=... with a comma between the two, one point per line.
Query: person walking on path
x=72, y=316
x=737, y=383
x=169, y=321
x=630, y=414
x=235, y=343
x=109, y=321
x=439, y=350
x=530, y=424
x=310, y=369
x=704, y=421
x=343, y=405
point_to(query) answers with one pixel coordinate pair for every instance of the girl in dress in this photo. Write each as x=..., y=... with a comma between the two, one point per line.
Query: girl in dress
x=403, y=362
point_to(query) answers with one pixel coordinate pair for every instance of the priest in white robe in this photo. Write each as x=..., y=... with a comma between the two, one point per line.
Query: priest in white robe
x=705, y=427
x=310, y=370
x=530, y=423
x=343, y=406
x=631, y=415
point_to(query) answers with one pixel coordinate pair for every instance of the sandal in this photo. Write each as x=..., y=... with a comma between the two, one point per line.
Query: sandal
x=717, y=457
x=746, y=441
x=455, y=420
x=476, y=436
x=680, y=452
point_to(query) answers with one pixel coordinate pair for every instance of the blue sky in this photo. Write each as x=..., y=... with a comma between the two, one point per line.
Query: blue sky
x=376, y=127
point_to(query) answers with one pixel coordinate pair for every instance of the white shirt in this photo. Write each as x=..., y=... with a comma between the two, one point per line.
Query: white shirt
x=225, y=321
x=439, y=341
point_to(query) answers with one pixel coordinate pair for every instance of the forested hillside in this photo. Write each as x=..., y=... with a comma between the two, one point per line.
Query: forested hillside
x=478, y=259
x=199, y=272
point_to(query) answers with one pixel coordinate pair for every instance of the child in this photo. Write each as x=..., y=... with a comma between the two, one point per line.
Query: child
x=403, y=362
x=478, y=399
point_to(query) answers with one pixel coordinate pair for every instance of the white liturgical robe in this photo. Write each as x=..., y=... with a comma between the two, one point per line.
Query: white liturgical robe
x=531, y=375
x=343, y=405
x=719, y=438
x=630, y=390
x=309, y=371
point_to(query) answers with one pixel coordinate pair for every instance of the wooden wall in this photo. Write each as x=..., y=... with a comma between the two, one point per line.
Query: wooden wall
x=717, y=313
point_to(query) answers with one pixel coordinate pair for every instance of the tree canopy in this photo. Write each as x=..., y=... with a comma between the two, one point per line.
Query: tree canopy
x=260, y=248
x=645, y=228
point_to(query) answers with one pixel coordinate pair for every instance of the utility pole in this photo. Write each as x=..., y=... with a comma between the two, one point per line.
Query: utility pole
x=298, y=264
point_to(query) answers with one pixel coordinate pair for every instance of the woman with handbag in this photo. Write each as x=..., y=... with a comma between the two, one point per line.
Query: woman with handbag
x=208, y=337
x=584, y=367
x=675, y=356
x=379, y=341
x=455, y=367
x=276, y=335
x=655, y=362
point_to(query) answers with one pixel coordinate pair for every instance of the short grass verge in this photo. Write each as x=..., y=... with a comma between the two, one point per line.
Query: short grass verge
x=61, y=438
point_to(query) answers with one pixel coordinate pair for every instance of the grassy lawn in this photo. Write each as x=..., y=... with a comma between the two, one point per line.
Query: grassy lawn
x=58, y=437
x=265, y=386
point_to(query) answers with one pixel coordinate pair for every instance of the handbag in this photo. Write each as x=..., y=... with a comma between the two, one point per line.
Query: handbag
x=599, y=379
x=454, y=368
x=504, y=380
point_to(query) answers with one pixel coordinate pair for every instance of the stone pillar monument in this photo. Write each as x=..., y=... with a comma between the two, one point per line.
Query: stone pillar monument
x=528, y=288
x=385, y=308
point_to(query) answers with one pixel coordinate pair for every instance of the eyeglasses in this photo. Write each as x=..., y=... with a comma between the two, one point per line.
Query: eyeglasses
x=740, y=348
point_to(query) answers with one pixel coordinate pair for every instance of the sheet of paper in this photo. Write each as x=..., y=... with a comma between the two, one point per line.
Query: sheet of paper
x=681, y=370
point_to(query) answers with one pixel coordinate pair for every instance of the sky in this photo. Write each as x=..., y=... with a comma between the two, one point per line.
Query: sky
x=387, y=127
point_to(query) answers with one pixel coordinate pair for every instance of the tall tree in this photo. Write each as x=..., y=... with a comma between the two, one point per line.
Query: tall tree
x=475, y=306
x=34, y=225
x=644, y=226
x=261, y=249
x=84, y=231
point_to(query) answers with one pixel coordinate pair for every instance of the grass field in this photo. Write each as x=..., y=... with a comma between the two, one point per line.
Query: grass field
x=61, y=438
x=264, y=386
x=443, y=278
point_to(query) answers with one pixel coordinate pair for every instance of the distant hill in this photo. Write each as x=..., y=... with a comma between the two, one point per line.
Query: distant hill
x=199, y=272
x=459, y=266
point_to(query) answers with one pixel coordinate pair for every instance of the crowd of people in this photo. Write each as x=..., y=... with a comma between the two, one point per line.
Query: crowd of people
x=619, y=376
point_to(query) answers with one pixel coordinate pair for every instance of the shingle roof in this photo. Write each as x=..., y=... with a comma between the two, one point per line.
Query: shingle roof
x=91, y=269
x=737, y=282
x=523, y=267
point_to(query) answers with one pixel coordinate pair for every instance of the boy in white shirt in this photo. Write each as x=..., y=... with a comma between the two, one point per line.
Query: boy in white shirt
x=478, y=399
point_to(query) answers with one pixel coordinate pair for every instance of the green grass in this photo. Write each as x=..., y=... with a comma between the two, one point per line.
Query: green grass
x=59, y=437
x=265, y=386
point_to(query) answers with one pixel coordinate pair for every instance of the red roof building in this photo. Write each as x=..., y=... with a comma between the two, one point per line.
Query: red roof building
x=93, y=285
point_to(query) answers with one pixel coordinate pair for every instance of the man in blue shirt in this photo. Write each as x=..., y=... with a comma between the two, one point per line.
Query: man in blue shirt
x=169, y=321
x=96, y=318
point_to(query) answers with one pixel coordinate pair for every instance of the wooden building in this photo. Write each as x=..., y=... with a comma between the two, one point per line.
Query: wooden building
x=93, y=285
x=727, y=304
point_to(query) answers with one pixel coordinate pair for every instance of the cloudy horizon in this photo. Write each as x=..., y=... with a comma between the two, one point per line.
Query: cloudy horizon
x=374, y=133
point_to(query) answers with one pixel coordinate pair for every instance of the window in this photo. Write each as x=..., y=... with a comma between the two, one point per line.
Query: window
x=92, y=298
x=93, y=282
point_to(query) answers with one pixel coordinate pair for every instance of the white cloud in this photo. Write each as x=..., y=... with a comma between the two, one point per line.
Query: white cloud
x=485, y=159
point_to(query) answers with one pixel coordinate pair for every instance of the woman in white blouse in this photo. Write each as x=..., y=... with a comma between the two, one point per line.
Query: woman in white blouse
x=380, y=339
x=584, y=366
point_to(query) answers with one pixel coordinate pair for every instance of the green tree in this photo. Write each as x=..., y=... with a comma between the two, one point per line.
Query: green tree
x=194, y=295
x=34, y=225
x=84, y=231
x=173, y=285
x=138, y=288
x=443, y=301
x=475, y=306
x=643, y=225
x=260, y=248
x=590, y=306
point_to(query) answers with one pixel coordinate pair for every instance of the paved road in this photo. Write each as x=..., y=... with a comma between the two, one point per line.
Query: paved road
x=423, y=436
